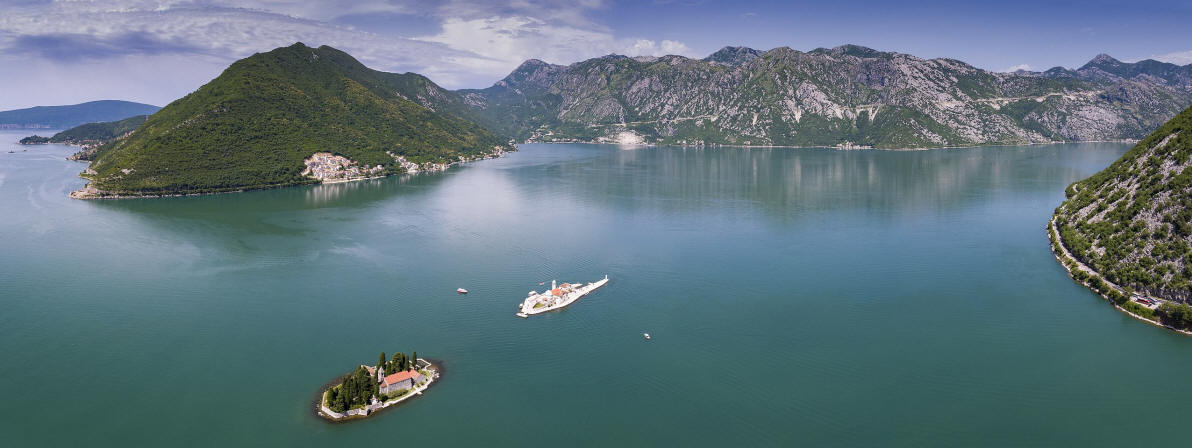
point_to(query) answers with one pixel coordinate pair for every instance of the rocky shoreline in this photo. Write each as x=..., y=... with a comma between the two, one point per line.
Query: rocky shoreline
x=1066, y=260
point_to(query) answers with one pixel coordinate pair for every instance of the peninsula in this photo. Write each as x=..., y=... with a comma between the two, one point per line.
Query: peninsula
x=90, y=136
x=1126, y=232
x=370, y=389
x=294, y=115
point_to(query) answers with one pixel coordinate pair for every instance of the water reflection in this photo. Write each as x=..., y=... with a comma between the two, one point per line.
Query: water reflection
x=779, y=181
x=586, y=182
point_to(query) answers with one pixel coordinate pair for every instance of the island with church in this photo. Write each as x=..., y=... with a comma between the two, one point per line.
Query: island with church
x=369, y=389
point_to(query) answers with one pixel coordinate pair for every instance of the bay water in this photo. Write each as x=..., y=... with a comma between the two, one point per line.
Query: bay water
x=794, y=296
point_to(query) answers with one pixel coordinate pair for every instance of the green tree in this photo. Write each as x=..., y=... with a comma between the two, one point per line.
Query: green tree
x=381, y=361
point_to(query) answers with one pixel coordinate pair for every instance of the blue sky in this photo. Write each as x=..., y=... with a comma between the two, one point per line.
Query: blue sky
x=60, y=52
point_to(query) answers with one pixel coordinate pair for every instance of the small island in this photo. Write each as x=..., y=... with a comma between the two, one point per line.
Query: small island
x=369, y=389
x=34, y=140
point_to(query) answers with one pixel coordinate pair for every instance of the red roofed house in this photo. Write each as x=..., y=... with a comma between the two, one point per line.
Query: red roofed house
x=400, y=381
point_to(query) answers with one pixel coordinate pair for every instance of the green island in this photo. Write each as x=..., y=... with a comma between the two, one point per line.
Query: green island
x=369, y=389
x=261, y=123
x=1126, y=232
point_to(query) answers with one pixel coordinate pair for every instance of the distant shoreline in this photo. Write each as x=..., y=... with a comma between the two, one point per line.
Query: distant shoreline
x=843, y=148
x=88, y=193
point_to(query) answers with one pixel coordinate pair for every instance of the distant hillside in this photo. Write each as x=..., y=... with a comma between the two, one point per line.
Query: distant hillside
x=91, y=133
x=1132, y=222
x=258, y=123
x=848, y=95
x=62, y=117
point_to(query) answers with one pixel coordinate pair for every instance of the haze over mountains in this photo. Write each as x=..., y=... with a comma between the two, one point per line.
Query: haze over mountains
x=61, y=117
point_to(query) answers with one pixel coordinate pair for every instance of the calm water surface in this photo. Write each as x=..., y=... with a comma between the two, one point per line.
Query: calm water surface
x=811, y=297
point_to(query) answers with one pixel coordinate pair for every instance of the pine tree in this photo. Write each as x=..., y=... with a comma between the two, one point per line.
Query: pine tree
x=381, y=361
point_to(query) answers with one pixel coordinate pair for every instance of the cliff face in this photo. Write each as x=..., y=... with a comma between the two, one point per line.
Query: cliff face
x=827, y=97
x=1132, y=222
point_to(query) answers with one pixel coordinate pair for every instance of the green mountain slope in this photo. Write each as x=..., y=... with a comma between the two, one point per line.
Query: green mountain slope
x=61, y=117
x=91, y=133
x=255, y=124
x=1132, y=222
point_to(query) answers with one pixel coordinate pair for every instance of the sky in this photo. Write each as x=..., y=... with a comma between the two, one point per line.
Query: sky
x=154, y=51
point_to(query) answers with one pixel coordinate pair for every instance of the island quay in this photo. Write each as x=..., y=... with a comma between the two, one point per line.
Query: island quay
x=557, y=297
x=370, y=389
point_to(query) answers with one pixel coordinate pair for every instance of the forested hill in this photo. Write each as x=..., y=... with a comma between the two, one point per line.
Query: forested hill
x=848, y=95
x=1132, y=222
x=91, y=133
x=253, y=126
x=62, y=117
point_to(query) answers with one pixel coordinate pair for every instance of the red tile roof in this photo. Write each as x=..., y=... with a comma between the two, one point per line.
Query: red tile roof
x=402, y=376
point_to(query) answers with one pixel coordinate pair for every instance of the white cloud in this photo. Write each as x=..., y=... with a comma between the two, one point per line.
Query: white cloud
x=1178, y=57
x=497, y=45
x=476, y=42
x=644, y=47
x=1017, y=68
x=154, y=79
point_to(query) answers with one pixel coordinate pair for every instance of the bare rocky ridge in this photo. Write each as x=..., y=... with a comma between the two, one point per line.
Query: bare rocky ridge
x=848, y=95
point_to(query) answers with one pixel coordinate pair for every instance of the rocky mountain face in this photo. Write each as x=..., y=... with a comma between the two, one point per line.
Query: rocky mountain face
x=844, y=96
x=1132, y=222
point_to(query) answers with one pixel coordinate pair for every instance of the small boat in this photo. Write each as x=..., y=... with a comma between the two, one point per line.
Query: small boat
x=646, y=335
x=461, y=290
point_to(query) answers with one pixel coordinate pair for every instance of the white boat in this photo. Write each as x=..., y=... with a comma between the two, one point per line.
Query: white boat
x=461, y=290
x=558, y=296
x=647, y=335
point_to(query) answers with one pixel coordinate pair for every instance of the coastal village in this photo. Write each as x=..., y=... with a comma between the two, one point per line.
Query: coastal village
x=330, y=168
x=369, y=389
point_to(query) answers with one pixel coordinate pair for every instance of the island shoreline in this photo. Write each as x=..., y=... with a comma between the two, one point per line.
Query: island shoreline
x=83, y=194
x=436, y=365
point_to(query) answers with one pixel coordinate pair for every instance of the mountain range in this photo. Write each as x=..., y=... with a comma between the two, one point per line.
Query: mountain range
x=62, y=117
x=259, y=124
x=844, y=96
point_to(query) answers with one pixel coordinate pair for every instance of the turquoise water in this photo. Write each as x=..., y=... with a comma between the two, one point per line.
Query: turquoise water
x=814, y=297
